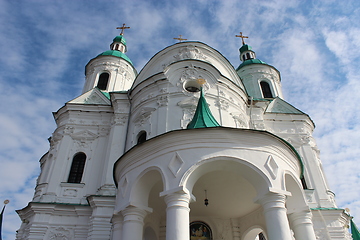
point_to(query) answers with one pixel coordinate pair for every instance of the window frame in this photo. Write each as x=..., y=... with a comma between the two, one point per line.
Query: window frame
x=77, y=167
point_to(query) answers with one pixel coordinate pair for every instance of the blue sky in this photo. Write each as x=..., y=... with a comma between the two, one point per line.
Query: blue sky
x=45, y=46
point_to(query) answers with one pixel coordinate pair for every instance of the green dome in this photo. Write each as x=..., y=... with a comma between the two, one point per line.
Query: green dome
x=116, y=53
x=251, y=61
x=120, y=38
x=245, y=48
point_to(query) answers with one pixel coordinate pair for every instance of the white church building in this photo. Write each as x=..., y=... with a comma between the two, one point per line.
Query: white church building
x=188, y=148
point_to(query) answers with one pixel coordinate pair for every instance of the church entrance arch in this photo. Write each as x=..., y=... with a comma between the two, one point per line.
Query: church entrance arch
x=225, y=189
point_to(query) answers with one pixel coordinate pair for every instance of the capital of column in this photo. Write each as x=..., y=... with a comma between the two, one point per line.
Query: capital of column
x=273, y=200
x=302, y=225
x=298, y=218
x=134, y=214
x=178, y=200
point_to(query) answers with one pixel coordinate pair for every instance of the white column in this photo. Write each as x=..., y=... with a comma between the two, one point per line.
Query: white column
x=133, y=223
x=302, y=225
x=277, y=224
x=177, y=216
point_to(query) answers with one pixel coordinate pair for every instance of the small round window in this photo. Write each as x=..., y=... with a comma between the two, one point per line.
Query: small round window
x=192, y=85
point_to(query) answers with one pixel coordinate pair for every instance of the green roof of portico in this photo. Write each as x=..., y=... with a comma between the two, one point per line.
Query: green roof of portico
x=202, y=117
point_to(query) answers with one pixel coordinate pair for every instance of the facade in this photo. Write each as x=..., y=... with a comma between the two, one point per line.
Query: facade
x=188, y=148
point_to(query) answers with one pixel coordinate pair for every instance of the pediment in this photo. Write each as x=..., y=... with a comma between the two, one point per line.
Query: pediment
x=280, y=106
x=94, y=97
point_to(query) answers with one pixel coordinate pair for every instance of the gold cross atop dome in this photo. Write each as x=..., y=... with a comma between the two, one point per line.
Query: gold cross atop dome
x=180, y=38
x=242, y=37
x=122, y=28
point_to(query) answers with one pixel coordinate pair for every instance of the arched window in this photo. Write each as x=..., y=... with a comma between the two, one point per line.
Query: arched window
x=117, y=47
x=266, y=90
x=248, y=56
x=77, y=168
x=103, y=81
x=261, y=236
x=200, y=230
x=141, y=137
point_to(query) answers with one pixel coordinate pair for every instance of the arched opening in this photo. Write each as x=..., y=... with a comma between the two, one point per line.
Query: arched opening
x=248, y=56
x=77, y=168
x=117, y=47
x=266, y=90
x=255, y=233
x=103, y=81
x=149, y=234
x=146, y=193
x=141, y=137
x=296, y=202
x=230, y=185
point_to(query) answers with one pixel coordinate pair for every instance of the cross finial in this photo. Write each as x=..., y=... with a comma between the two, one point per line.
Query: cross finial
x=180, y=38
x=122, y=28
x=242, y=37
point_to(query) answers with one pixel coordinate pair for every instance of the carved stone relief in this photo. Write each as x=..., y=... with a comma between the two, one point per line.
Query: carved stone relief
x=143, y=115
x=120, y=119
x=190, y=74
x=190, y=52
x=223, y=104
x=81, y=144
x=103, y=131
x=188, y=106
x=259, y=126
x=163, y=90
x=84, y=135
x=69, y=192
x=149, y=96
x=239, y=120
x=163, y=100
x=68, y=130
x=60, y=233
